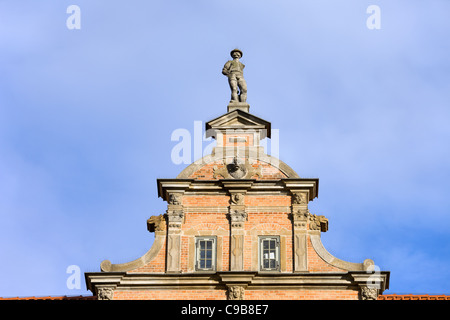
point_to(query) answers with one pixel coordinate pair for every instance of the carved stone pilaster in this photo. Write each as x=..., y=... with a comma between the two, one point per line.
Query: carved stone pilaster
x=237, y=251
x=299, y=209
x=237, y=220
x=175, y=213
x=300, y=220
x=105, y=293
x=237, y=214
x=173, y=253
x=300, y=215
x=237, y=217
x=235, y=293
x=175, y=218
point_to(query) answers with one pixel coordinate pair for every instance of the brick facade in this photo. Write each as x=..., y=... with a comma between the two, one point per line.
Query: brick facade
x=237, y=198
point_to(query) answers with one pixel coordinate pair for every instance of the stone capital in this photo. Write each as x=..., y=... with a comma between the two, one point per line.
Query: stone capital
x=237, y=216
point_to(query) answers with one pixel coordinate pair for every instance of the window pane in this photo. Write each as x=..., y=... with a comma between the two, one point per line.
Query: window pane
x=269, y=254
x=272, y=264
x=272, y=244
x=205, y=254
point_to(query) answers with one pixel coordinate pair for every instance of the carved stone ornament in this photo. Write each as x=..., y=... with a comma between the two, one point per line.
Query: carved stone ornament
x=299, y=198
x=175, y=199
x=235, y=293
x=105, y=293
x=175, y=216
x=238, y=216
x=301, y=214
x=156, y=223
x=318, y=223
x=369, y=293
x=237, y=199
x=237, y=169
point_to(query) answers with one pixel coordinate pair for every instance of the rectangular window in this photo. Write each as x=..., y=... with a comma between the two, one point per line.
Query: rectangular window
x=205, y=253
x=269, y=248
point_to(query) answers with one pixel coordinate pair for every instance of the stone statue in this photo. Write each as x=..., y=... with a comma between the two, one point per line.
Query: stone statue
x=234, y=70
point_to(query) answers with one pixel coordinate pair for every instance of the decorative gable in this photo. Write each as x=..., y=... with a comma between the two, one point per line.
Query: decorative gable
x=238, y=121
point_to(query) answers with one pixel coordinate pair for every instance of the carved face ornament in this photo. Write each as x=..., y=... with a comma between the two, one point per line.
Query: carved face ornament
x=236, y=169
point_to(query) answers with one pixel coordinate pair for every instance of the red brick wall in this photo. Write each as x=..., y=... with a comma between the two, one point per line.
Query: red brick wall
x=267, y=215
x=301, y=295
x=170, y=295
x=268, y=172
x=258, y=223
x=316, y=263
x=158, y=264
x=221, y=294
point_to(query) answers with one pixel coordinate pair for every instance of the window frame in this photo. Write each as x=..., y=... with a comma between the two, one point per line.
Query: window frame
x=277, y=249
x=198, y=259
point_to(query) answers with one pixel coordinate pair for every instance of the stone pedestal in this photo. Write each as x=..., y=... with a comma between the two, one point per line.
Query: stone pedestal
x=243, y=106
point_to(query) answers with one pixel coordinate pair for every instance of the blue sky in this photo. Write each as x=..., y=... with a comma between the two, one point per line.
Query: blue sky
x=86, y=118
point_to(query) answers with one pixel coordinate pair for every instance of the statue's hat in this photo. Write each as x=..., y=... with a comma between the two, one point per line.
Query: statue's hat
x=236, y=50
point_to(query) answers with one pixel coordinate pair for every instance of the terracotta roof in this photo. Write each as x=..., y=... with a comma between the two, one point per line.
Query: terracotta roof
x=413, y=297
x=53, y=298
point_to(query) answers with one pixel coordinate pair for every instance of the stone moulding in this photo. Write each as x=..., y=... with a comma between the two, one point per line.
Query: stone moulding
x=276, y=186
x=107, y=266
x=123, y=281
x=332, y=260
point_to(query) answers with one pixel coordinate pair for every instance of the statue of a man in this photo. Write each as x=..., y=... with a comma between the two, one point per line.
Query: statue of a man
x=234, y=70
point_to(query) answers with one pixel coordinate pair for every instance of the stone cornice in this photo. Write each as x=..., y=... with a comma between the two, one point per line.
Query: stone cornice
x=251, y=280
x=187, y=186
